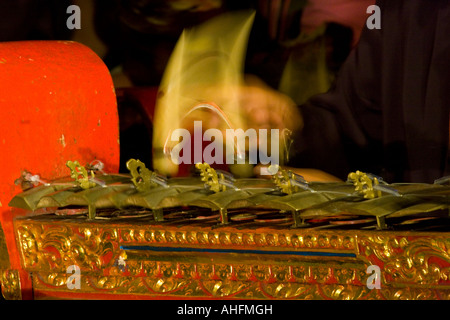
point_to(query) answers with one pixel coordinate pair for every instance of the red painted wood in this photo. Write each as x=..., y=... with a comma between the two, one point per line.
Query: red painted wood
x=57, y=103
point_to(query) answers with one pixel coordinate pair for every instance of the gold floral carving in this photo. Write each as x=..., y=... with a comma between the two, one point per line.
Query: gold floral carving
x=281, y=240
x=10, y=282
x=176, y=286
x=413, y=266
x=57, y=246
x=411, y=260
x=9, y=279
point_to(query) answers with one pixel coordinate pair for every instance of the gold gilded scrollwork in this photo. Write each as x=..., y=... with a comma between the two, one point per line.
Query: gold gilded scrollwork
x=410, y=260
x=172, y=287
x=412, y=266
x=233, y=238
x=10, y=283
x=56, y=246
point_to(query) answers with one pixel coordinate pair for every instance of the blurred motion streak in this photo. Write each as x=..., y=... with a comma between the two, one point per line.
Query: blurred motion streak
x=206, y=67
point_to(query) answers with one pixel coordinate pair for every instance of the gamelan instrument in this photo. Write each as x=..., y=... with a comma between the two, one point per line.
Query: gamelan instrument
x=213, y=236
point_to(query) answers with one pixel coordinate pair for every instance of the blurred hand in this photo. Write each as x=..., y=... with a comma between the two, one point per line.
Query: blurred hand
x=258, y=107
x=266, y=108
x=261, y=107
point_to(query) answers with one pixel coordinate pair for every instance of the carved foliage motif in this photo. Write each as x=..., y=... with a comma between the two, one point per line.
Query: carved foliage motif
x=10, y=283
x=56, y=246
x=412, y=266
x=238, y=239
x=411, y=260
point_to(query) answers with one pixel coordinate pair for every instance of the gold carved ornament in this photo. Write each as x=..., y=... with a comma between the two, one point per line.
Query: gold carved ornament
x=364, y=184
x=211, y=178
x=80, y=175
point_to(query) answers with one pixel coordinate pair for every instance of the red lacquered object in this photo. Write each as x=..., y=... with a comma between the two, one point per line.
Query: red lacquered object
x=57, y=103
